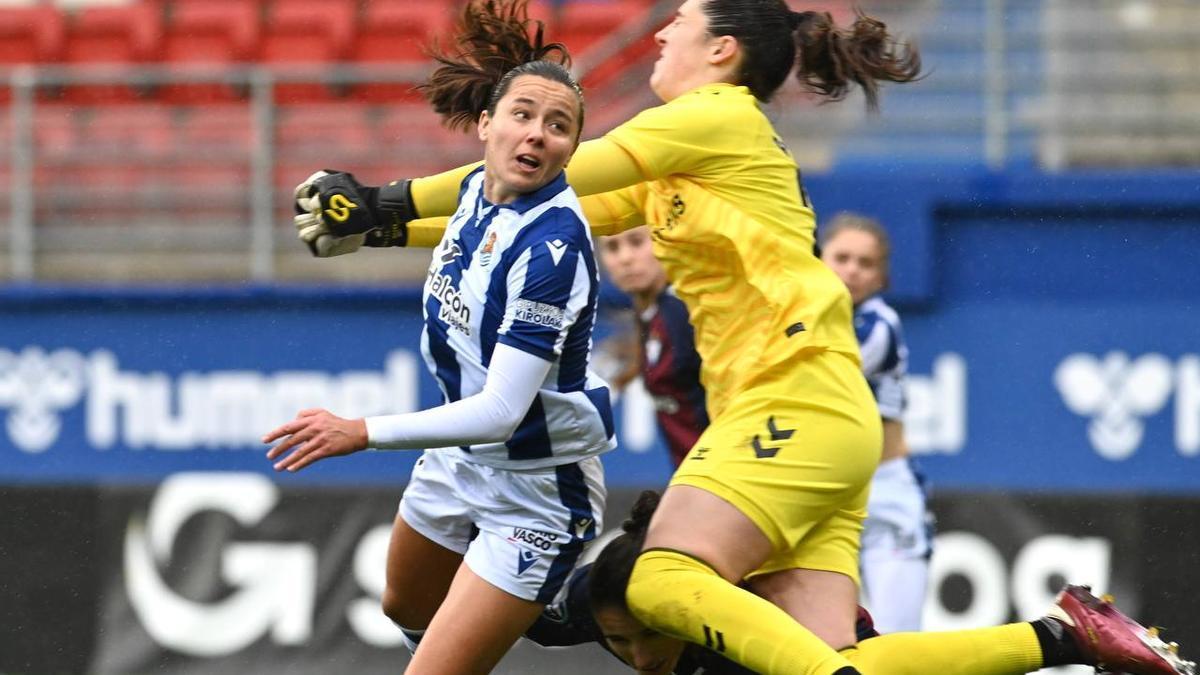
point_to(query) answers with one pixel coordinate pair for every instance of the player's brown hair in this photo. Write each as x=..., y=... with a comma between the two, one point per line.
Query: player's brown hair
x=847, y=220
x=495, y=42
x=828, y=59
x=610, y=573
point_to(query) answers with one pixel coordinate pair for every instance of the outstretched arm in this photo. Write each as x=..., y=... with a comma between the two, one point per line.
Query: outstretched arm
x=490, y=416
x=513, y=380
x=599, y=165
x=336, y=215
x=600, y=168
x=607, y=213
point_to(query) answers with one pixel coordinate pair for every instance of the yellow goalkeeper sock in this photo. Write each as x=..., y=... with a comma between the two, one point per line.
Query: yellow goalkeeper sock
x=1001, y=650
x=681, y=596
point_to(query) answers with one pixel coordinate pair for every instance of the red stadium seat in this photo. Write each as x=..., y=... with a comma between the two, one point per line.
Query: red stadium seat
x=113, y=34
x=30, y=34
x=132, y=131
x=217, y=128
x=307, y=31
x=56, y=130
x=202, y=32
x=319, y=129
x=398, y=30
x=126, y=34
x=585, y=22
x=417, y=132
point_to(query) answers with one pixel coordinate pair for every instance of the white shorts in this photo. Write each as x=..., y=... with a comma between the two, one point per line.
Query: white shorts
x=898, y=523
x=521, y=531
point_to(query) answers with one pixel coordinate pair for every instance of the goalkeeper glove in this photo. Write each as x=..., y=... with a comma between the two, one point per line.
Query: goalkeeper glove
x=333, y=204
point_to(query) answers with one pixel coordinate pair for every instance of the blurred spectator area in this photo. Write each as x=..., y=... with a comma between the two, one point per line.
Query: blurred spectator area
x=161, y=139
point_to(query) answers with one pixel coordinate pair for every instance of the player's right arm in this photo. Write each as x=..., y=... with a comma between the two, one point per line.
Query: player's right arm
x=332, y=225
x=609, y=173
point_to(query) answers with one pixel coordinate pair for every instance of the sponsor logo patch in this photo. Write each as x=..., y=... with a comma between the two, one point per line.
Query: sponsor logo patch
x=525, y=560
x=542, y=541
x=454, y=311
x=538, y=313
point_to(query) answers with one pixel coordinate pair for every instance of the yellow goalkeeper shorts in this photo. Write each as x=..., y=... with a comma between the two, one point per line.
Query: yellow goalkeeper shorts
x=795, y=454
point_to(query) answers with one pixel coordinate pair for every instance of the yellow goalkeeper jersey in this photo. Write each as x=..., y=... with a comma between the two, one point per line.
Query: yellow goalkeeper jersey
x=734, y=230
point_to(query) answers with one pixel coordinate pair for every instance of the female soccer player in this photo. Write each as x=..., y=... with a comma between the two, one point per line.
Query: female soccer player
x=510, y=487
x=775, y=490
x=667, y=358
x=897, y=533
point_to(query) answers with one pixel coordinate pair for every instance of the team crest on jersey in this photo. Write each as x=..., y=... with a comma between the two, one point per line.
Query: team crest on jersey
x=485, y=254
x=678, y=208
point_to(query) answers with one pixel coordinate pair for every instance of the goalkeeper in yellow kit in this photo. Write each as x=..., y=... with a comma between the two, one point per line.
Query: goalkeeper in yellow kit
x=775, y=490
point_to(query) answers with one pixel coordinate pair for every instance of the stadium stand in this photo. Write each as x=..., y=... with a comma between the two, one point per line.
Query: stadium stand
x=31, y=34
x=390, y=31
x=201, y=31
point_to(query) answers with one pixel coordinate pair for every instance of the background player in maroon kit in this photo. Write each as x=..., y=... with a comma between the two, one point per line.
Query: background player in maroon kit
x=666, y=347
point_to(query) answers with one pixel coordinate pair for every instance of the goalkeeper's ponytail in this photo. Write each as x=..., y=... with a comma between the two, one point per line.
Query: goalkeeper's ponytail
x=493, y=45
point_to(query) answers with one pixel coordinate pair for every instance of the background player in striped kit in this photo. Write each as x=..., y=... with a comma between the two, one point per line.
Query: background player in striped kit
x=510, y=489
x=897, y=533
x=666, y=346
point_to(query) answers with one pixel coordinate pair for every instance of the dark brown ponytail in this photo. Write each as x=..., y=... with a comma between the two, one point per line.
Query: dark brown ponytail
x=493, y=45
x=830, y=59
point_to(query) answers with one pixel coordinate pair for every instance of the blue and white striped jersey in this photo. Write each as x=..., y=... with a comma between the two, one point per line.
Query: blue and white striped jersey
x=523, y=274
x=884, y=354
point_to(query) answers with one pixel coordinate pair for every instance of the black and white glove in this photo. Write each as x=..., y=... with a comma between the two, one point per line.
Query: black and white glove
x=335, y=214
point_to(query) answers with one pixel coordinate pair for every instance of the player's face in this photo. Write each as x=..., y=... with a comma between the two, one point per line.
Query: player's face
x=684, y=46
x=629, y=260
x=530, y=139
x=855, y=257
x=645, y=650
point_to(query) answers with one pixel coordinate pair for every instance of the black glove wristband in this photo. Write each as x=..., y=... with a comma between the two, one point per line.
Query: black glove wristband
x=393, y=209
x=381, y=214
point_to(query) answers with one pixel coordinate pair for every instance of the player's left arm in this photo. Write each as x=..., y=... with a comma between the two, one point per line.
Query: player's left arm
x=599, y=165
x=617, y=211
x=491, y=416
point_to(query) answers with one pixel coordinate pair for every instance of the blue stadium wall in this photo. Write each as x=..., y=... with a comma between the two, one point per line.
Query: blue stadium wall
x=1055, y=404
